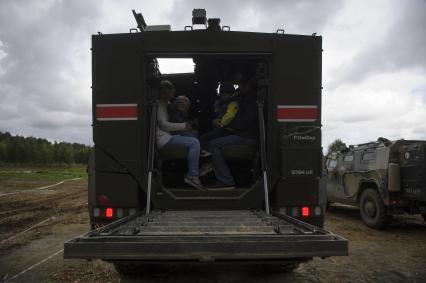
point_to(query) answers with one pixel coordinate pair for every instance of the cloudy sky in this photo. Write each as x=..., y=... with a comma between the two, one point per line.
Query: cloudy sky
x=374, y=60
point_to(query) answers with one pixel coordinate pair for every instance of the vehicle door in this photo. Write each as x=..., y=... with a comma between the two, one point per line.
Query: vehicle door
x=119, y=117
x=332, y=177
x=348, y=178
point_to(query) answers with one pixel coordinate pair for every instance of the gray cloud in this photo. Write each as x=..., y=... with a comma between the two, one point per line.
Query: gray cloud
x=305, y=16
x=45, y=66
x=401, y=47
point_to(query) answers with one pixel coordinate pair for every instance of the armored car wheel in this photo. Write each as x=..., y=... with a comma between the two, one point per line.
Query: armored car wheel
x=130, y=269
x=373, y=211
x=280, y=268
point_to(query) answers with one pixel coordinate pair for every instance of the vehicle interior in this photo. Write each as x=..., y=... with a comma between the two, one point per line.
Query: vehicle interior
x=201, y=86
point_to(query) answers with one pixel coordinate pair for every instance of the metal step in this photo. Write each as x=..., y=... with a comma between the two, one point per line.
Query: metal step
x=210, y=223
x=202, y=222
x=200, y=230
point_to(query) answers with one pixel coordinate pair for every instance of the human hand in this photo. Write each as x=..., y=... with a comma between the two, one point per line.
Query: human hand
x=216, y=123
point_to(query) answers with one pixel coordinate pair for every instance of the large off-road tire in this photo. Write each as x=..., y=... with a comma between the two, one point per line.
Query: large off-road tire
x=126, y=269
x=373, y=211
x=137, y=269
x=287, y=267
x=280, y=268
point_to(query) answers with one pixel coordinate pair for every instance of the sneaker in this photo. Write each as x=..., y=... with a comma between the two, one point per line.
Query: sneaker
x=222, y=186
x=204, y=153
x=206, y=168
x=194, y=181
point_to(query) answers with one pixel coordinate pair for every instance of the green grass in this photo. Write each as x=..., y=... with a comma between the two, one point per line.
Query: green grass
x=57, y=173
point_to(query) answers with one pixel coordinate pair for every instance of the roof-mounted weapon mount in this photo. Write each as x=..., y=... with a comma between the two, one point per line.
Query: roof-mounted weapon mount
x=139, y=20
x=142, y=26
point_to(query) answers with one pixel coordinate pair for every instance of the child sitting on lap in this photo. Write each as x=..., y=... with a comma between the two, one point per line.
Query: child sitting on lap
x=178, y=113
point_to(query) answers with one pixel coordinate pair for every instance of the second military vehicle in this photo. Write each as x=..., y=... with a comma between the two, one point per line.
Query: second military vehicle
x=275, y=215
x=383, y=178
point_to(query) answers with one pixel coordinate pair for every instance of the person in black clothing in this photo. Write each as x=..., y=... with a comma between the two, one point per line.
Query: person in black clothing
x=225, y=109
x=226, y=91
x=245, y=131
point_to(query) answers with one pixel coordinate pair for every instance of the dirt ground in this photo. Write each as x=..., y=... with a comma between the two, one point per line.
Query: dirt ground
x=393, y=255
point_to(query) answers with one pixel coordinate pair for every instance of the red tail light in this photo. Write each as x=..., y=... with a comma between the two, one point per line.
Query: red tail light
x=109, y=212
x=305, y=211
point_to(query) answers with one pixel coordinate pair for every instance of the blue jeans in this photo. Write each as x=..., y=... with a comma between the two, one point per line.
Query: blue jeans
x=193, y=152
x=191, y=133
x=213, y=134
x=220, y=167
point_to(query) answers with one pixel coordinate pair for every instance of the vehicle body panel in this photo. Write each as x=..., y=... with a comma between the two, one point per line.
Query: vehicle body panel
x=119, y=78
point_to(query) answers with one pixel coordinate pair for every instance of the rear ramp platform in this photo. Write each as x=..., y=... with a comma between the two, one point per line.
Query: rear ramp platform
x=206, y=236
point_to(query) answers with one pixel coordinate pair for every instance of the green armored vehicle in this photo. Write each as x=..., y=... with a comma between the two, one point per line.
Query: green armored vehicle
x=383, y=178
x=276, y=212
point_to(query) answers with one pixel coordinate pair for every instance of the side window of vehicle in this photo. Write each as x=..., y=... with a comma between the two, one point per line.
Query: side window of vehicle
x=348, y=158
x=332, y=163
x=369, y=155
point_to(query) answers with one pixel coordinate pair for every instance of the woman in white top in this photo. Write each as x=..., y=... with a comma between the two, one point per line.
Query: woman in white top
x=164, y=134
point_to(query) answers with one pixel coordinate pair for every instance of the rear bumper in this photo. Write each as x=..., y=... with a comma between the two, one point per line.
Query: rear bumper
x=220, y=249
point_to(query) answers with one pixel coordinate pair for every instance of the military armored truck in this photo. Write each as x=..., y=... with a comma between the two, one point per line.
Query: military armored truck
x=141, y=210
x=383, y=178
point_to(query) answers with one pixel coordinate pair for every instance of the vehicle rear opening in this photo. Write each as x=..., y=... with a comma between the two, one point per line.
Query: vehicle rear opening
x=206, y=236
x=201, y=85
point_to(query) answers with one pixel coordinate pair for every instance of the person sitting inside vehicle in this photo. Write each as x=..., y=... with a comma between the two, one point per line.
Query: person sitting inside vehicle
x=225, y=108
x=226, y=91
x=165, y=134
x=242, y=130
x=178, y=113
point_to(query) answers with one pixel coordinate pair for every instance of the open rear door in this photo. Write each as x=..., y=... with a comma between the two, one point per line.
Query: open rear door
x=119, y=121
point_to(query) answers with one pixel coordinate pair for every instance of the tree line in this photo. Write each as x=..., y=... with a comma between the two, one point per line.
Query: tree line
x=336, y=145
x=30, y=150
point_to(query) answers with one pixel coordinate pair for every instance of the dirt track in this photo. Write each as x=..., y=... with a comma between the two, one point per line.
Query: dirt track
x=394, y=255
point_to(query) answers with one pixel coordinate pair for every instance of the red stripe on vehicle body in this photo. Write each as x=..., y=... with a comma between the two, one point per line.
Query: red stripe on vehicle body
x=116, y=112
x=297, y=113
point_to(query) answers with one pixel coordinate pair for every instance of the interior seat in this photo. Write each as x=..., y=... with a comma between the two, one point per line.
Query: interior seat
x=173, y=152
x=230, y=152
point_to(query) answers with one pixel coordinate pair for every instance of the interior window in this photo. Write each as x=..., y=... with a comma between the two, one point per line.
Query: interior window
x=369, y=155
x=332, y=163
x=175, y=65
x=348, y=158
